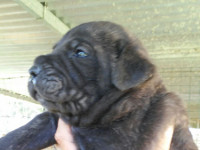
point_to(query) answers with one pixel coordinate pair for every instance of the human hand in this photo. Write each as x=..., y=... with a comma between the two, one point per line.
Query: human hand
x=64, y=137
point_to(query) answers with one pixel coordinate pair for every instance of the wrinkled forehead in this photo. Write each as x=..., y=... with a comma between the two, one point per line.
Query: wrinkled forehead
x=94, y=33
x=72, y=37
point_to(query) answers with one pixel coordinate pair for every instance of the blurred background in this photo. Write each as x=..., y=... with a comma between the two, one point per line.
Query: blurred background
x=169, y=29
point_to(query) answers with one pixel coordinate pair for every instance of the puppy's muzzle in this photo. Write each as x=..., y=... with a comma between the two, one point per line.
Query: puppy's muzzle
x=51, y=83
x=45, y=81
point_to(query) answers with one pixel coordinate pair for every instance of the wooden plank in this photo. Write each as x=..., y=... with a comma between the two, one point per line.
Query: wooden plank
x=42, y=12
x=17, y=95
x=178, y=53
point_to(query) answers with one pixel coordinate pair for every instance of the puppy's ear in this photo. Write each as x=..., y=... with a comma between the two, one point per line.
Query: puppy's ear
x=131, y=67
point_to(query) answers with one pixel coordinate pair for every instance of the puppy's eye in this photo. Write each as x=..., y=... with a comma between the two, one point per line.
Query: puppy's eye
x=81, y=52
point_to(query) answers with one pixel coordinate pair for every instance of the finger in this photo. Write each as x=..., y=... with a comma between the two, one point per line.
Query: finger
x=64, y=136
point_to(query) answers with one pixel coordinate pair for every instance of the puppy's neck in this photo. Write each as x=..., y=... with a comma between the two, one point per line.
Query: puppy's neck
x=94, y=115
x=117, y=105
x=135, y=101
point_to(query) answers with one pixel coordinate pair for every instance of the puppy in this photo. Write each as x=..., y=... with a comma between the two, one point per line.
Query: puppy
x=100, y=80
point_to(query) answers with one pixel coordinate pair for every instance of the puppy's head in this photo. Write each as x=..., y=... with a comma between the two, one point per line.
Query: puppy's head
x=89, y=61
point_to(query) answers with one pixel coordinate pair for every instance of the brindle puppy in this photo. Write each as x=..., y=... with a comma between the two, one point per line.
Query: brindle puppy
x=100, y=80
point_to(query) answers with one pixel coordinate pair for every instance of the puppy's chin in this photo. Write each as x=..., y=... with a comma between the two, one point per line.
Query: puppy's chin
x=70, y=111
x=69, y=104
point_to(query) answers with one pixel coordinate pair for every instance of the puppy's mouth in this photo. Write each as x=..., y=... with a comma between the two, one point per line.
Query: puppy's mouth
x=55, y=94
x=48, y=87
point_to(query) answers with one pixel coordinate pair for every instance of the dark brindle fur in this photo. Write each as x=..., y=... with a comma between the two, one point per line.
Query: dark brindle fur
x=100, y=80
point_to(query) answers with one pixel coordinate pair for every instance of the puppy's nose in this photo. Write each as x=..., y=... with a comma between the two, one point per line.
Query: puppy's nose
x=34, y=71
